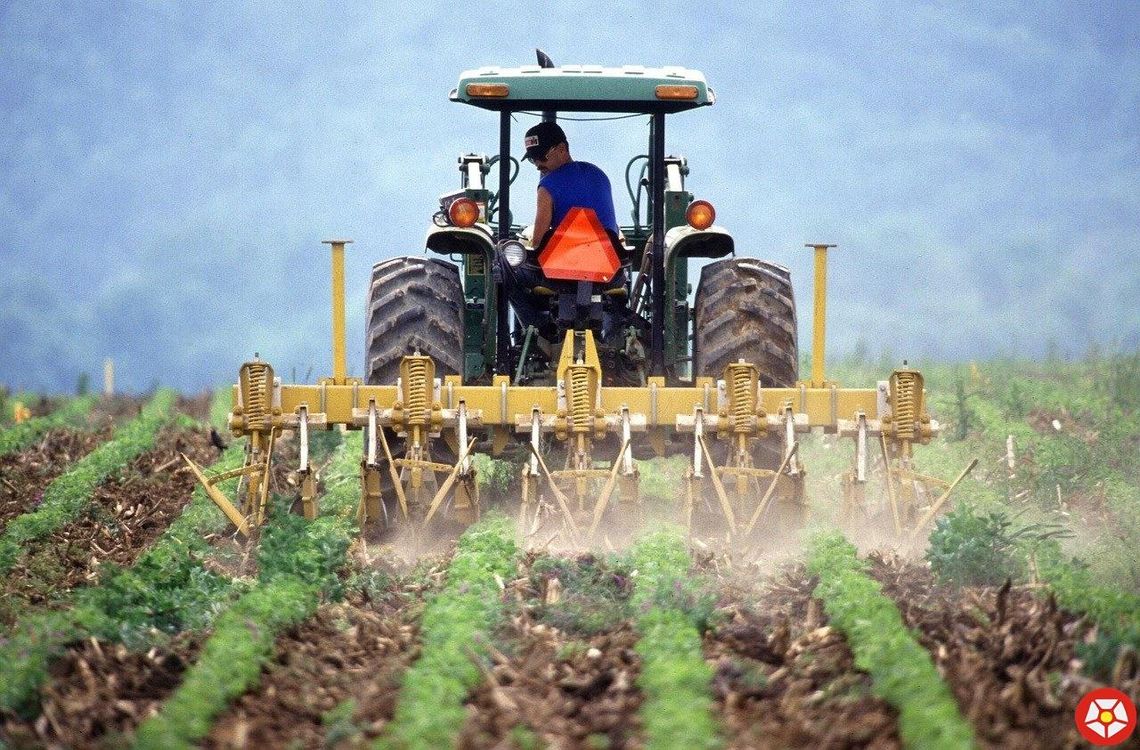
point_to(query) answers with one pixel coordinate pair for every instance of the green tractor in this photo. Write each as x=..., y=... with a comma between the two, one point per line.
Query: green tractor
x=453, y=309
x=621, y=365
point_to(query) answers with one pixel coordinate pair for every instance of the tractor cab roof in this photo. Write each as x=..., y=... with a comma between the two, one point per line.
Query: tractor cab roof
x=584, y=88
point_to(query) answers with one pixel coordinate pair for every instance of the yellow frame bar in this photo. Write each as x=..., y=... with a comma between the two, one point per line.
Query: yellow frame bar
x=502, y=405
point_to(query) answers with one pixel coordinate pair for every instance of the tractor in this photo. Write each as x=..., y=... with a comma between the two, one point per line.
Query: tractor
x=629, y=367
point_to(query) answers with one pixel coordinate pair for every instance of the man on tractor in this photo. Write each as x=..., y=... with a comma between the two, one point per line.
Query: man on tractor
x=564, y=184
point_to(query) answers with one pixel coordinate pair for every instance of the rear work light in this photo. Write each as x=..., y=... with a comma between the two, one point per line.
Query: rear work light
x=700, y=215
x=493, y=90
x=665, y=91
x=463, y=212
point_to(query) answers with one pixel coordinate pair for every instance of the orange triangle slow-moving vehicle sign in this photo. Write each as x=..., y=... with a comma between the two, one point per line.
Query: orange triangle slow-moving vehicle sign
x=580, y=249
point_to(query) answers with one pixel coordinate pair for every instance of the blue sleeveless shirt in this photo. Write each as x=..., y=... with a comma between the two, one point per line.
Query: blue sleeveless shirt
x=583, y=185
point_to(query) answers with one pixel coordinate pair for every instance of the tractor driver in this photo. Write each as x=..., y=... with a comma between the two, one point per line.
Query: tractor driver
x=563, y=184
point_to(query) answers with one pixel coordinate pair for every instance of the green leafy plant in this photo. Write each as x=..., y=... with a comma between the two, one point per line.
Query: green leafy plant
x=19, y=436
x=596, y=593
x=298, y=564
x=675, y=678
x=429, y=710
x=1115, y=610
x=901, y=670
x=70, y=493
x=969, y=547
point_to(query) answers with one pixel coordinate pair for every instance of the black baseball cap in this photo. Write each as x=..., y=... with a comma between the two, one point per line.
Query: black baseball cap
x=541, y=137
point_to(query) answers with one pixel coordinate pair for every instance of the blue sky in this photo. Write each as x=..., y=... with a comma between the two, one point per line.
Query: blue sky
x=168, y=170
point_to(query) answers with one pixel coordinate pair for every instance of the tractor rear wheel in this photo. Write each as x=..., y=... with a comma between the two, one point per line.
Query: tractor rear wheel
x=414, y=304
x=745, y=309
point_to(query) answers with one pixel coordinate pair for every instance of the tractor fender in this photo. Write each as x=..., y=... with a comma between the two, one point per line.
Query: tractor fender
x=473, y=240
x=687, y=242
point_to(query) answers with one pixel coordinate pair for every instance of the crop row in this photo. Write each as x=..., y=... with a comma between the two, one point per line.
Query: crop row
x=677, y=712
x=902, y=671
x=1114, y=609
x=455, y=631
x=70, y=493
x=167, y=590
x=298, y=563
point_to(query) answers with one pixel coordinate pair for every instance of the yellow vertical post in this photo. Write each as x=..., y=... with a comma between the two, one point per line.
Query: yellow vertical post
x=339, y=359
x=819, y=332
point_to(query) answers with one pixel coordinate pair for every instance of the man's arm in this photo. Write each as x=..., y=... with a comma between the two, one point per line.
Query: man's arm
x=542, y=216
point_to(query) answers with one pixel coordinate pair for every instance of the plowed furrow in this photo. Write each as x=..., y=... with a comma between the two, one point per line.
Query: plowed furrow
x=785, y=679
x=1006, y=653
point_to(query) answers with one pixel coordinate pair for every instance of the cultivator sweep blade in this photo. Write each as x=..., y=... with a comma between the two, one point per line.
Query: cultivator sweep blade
x=720, y=424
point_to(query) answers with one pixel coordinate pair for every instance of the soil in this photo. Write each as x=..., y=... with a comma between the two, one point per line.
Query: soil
x=570, y=690
x=785, y=679
x=100, y=692
x=26, y=474
x=127, y=514
x=1008, y=654
x=353, y=651
x=197, y=406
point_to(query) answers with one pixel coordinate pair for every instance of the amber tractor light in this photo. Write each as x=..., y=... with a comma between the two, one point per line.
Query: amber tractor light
x=665, y=91
x=700, y=215
x=463, y=212
x=488, y=90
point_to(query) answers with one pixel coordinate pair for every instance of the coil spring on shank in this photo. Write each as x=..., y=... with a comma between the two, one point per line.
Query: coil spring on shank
x=416, y=406
x=906, y=405
x=743, y=397
x=579, y=398
x=257, y=397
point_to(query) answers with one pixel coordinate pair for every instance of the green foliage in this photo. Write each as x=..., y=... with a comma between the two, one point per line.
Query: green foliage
x=677, y=712
x=69, y=494
x=230, y=662
x=1115, y=610
x=973, y=548
x=298, y=563
x=19, y=436
x=495, y=477
x=339, y=724
x=596, y=593
x=962, y=412
x=524, y=738
x=902, y=671
x=312, y=551
x=166, y=590
x=429, y=712
x=220, y=406
x=660, y=478
x=24, y=657
x=1124, y=381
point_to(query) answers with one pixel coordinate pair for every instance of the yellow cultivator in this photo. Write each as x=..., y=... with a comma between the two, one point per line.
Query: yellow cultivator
x=727, y=417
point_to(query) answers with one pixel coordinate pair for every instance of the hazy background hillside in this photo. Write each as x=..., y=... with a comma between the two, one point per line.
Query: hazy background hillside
x=167, y=171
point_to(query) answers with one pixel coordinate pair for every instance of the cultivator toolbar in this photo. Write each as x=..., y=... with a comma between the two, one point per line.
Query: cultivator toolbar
x=742, y=438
